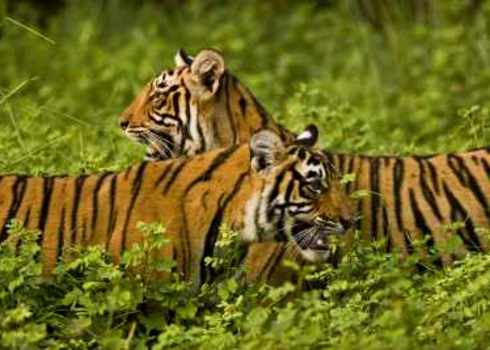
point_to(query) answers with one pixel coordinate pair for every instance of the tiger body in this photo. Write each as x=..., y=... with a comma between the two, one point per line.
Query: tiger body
x=411, y=198
x=190, y=196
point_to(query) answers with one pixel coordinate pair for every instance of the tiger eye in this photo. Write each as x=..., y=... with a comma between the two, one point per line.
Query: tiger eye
x=302, y=153
x=315, y=161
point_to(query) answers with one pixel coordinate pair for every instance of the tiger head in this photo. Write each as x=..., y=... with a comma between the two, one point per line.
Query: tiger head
x=194, y=107
x=302, y=199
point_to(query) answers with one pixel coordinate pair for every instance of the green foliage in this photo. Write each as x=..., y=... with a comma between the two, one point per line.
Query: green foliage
x=412, y=87
x=370, y=299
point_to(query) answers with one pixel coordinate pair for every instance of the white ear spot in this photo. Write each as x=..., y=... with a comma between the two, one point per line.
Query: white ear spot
x=305, y=136
x=182, y=59
x=309, y=137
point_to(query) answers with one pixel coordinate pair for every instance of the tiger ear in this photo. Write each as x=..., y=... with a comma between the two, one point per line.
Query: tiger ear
x=266, y=150
x=207, y=68
x=182, y=58
x=308, y=137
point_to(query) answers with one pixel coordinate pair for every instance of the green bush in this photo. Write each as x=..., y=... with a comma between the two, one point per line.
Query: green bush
x=412, y=87
x=371, y=300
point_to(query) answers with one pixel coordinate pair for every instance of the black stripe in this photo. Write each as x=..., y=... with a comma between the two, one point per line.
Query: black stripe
x=61, y=235
x=375, y=195
x=433, y=176
x=398, y=174
x=95, y=198
x=220, y=159
x=126, y=173
x=274, y=192
x=76, y=204
x=163, y=175
x=173, y=176
x=467, y=179
x=112, y=199
x=458, y=213
x=242, y=102
x=213, y=231
x=426, y=190
x=386, y=231
x=18, y=191
x=27, y=218
x=135, y=190
x=166, y=139
x=350, y=169
x=274, y=260
x=48, y=183
x=204, y=199
x=420, y=221
x=271, y=261
x=280, y=234
x=175, y=103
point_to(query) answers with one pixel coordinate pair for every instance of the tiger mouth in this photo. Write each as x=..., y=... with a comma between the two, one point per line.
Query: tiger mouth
x=159, y=145
x=314, y=236
x=136, y=134
x=156, y=155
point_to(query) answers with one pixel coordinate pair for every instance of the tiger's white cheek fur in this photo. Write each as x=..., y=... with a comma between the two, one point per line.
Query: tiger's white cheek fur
x=250, y=233
x=256, y=226
x=315, y=256
x=193, y=144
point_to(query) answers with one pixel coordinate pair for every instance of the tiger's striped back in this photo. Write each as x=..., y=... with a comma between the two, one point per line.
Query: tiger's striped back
x=416, y=198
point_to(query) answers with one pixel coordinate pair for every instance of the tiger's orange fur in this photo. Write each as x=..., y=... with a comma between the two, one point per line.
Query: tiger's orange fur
x=410, y=197
x=261, y=190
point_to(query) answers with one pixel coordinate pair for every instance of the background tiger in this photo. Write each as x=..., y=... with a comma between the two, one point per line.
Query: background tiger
x=200, y=104
x=266, y=191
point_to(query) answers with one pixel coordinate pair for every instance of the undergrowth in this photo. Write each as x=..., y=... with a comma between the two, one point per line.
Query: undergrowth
x=413, y=88
x=371, y=300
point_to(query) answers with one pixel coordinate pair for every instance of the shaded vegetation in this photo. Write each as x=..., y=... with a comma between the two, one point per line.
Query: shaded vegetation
x=413, y=86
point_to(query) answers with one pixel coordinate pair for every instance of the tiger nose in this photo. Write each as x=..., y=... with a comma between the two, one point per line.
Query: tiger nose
x=123, y=124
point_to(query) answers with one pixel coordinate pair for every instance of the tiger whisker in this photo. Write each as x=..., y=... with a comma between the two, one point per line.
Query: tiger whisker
x=158, y=143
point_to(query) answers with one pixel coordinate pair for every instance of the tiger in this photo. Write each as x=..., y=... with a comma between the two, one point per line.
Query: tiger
x=265, y=190
x=195, y=107
x=412, y=198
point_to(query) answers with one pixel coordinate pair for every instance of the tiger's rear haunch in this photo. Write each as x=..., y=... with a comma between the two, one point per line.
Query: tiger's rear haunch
x=195, y=107
x=265, y=191
x=411, y=197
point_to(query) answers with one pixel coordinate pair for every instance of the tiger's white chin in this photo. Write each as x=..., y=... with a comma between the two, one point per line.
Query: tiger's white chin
x=316, y=255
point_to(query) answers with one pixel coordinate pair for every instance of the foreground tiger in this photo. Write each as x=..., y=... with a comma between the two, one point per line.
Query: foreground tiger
x=266, y=192
x=200, y=105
